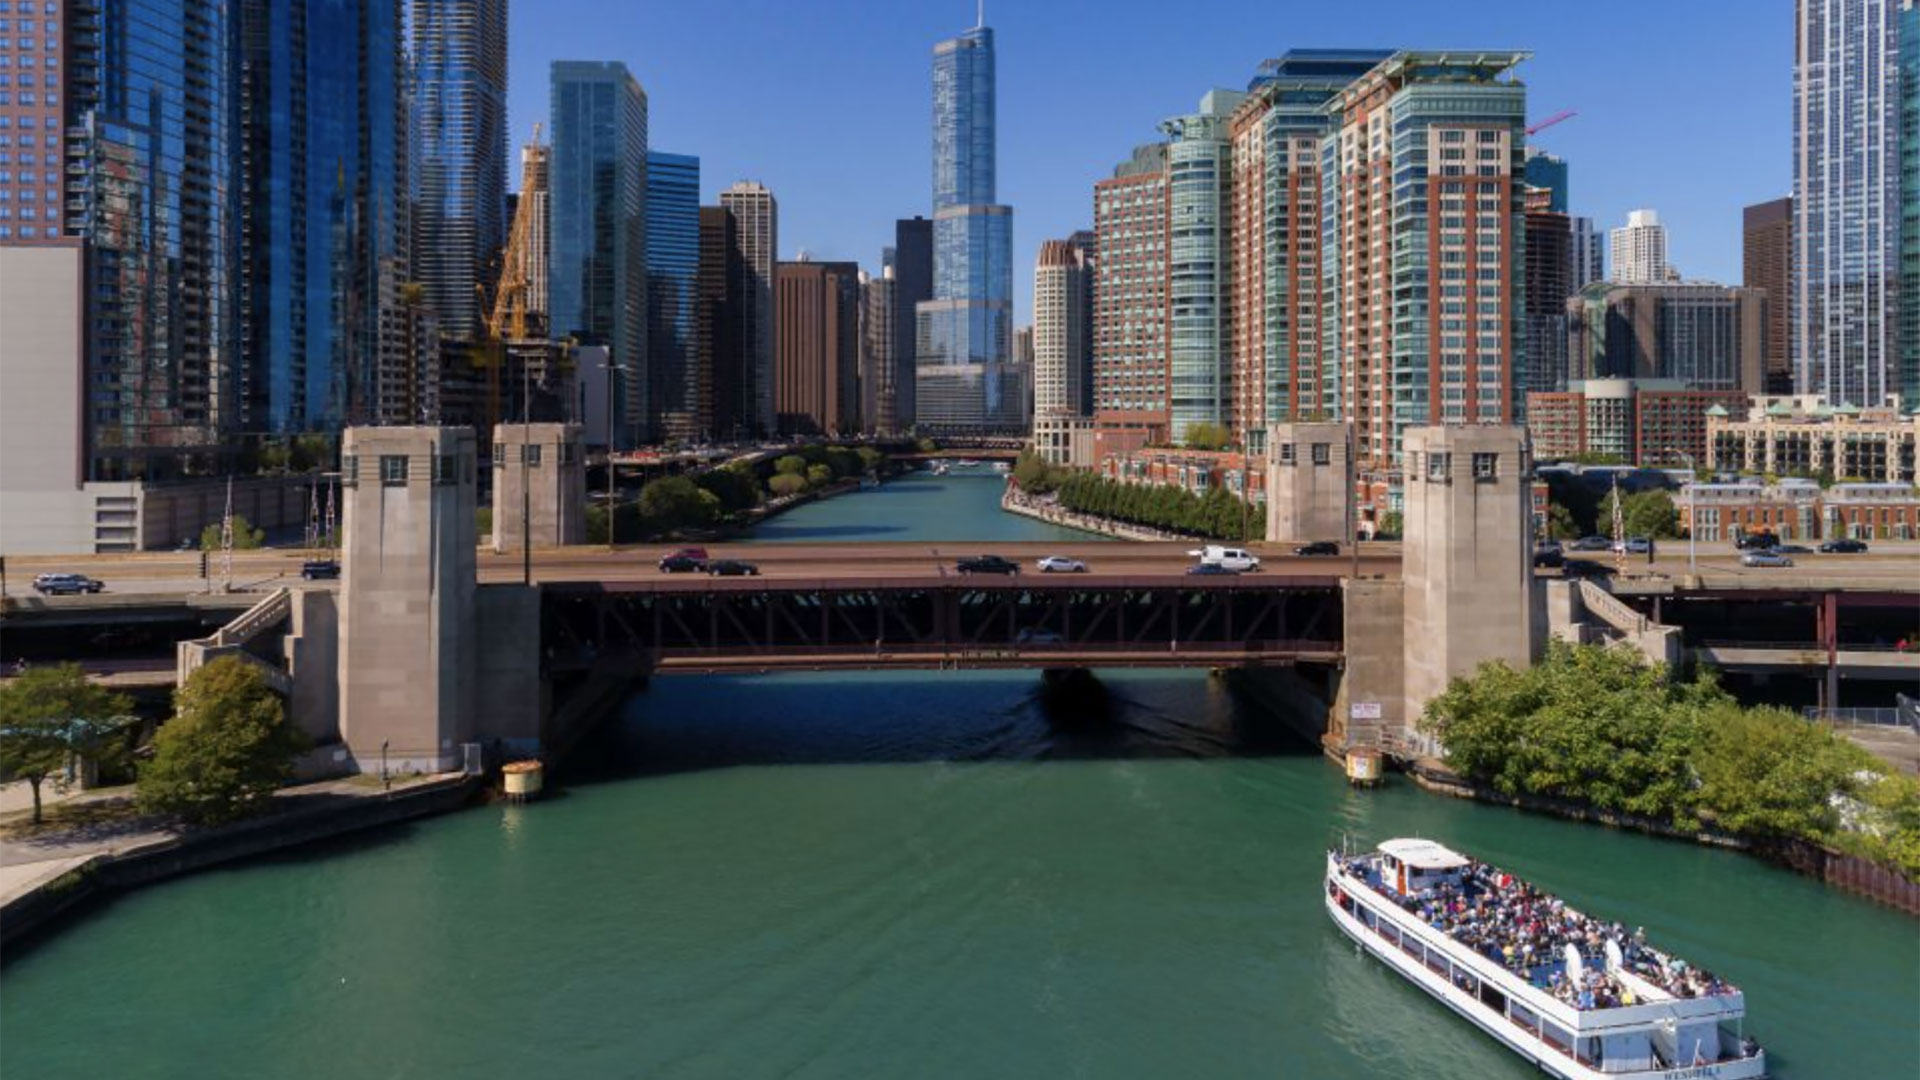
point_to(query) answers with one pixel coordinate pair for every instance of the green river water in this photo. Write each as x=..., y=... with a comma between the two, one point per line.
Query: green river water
x=899, y=875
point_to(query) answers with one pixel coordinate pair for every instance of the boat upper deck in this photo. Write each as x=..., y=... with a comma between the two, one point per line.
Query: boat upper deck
x=1584, y=962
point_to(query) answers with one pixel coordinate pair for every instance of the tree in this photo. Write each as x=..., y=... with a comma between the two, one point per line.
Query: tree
x=311, y=452
x=226, y=750
x=49, y=716
x=673, y=502
x=1208, y=437
x=1646, y=513
x=791, y=463
x=245, y=536
x=1768, y=772
x=1560, y=523
x=870, y=459
x=786, y=485
x=1390, y=526
x=1035, y=476
x=819, y=475
x=736, y=490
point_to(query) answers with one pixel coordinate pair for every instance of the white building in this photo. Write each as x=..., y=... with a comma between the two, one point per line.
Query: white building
x=1637, y=251
x=1062, y=368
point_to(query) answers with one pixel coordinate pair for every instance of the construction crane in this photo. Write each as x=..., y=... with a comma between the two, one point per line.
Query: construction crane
x=510, y=319
x=1564, y=114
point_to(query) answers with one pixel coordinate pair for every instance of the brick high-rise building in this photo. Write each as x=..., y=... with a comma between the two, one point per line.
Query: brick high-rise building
x=817, y=354
x=1062, y=355
x=1273, y=303
x=1766, y=249
x=716, y=325
x=1428, y=145
x=1130, y=296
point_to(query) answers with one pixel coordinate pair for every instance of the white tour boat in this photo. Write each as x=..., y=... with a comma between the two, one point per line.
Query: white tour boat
x=1580, y=998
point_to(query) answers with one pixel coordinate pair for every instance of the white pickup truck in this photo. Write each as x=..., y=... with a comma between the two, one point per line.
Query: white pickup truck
x=1230, y=558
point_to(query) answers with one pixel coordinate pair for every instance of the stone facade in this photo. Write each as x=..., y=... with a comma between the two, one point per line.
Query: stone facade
x=406, y=601
x=1309, y=483
x=552, y=459
x=1468, y=571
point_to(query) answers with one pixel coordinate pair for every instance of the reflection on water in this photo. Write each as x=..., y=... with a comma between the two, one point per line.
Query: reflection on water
x=958, y=508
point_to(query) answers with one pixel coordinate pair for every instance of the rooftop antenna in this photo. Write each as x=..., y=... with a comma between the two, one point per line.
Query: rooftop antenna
x=980, y=14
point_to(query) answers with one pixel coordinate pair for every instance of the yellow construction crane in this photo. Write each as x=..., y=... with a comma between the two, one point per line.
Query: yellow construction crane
x=509, y=319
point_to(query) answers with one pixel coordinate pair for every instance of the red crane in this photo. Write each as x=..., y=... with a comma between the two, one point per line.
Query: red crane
x=1564, y=114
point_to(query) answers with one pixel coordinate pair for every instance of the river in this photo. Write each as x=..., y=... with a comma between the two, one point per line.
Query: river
x=930, y=875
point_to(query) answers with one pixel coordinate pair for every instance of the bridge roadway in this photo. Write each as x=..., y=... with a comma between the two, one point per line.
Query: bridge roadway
x=1890, y=566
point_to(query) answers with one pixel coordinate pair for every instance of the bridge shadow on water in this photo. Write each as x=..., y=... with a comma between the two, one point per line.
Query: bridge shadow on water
x=777, y=530
x=692, y=723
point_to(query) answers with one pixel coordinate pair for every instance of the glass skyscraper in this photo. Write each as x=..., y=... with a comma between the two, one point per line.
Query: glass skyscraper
x=1197, y=174
x=596, y=281
x=321, y=194
x=679, y=391
x=1847, y=192
x=964, y=333
x=151, y=84
x=460, y=175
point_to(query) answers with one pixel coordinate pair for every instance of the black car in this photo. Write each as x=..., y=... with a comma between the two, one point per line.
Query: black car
x=732, y=568
x=1585, y=568
x=1549, y=553
x=1845, y=545
x=320, y=569
x=987, y=564
x=681, y=564
x=1211, y=570
x=1791, y=549
x=1755, y=541
x=1318, y=547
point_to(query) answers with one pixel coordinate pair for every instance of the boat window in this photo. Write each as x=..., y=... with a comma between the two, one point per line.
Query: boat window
x=1464, y=979
x=1523, y=1017
x=1438, y=963
x=1412, y=947
x=1556, y=1036
x=1492, y=998
x=1390, y=932
x=1372, y=920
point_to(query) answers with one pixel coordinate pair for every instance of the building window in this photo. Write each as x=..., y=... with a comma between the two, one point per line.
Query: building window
x=1439, y=466
x=499, y=453
x=446, y=469
x=1322, y=454
x=1486, y=467
x=1286, y=453
x=393, y=470
x=350, y=470
x=569, y=454
x=530, y=455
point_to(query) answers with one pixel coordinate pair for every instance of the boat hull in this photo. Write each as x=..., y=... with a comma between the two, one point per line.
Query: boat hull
x=1548, y=1060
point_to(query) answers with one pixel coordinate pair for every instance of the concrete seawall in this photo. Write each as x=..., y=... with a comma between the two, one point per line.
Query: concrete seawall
x=1067, y=519
x=36, y=907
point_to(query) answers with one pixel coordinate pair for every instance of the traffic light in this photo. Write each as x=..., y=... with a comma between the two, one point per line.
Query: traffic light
x=203, y=565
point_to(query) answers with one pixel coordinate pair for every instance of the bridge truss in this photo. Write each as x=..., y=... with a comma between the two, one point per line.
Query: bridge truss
x=735, y=623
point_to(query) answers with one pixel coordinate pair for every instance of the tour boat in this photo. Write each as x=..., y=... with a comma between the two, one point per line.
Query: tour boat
x=1580, y=998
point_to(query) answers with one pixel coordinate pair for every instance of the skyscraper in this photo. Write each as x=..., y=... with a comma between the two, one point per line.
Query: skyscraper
x=912, y=283
x=963, y=377
x=716, y=328
x=460, y=154
x=1544, y=170
x=536, y=162
x=596, y=281
x=1549, y=263
x=322, y=198
x=152, y=95
x=1424, y=334
x=1638, y=250
x=1589, y=254
x=1767, y=241
x=816, y=368
x=1847, y=194
x=1130, y=217
x=673, y=265
x=756, y=223
x=1273, y=310
x=1062, y=355
x=879, y=353
x=1197, y=179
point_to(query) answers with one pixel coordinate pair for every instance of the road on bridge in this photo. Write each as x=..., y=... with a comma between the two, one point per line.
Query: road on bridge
x=1891, y=565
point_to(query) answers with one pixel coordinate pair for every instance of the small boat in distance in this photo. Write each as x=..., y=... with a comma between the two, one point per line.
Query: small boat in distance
x=941, y=468
x=966, y=463
x=1581, y=998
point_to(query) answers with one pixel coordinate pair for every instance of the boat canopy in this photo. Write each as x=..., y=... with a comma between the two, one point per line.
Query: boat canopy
x=1423, y=855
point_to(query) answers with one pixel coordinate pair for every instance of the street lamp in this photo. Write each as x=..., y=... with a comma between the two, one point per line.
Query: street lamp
x=1693, y=510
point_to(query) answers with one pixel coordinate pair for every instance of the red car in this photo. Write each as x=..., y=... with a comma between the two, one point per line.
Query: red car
x=683, y=559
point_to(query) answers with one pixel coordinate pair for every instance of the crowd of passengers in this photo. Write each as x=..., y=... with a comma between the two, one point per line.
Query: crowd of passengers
x=1522, y=928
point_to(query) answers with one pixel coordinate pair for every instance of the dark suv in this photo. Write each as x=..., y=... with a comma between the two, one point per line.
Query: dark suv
x=1549, y=553
x=685, y=560
x=1318, y=547
x=1845, y=545
x=320, y=569
x=66, y=584
x=987, y=564
x=1756, y=541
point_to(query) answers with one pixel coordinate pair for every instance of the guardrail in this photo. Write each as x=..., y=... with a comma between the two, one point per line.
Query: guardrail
x=1611, y=609
x=230, y=640
x=1871, y=715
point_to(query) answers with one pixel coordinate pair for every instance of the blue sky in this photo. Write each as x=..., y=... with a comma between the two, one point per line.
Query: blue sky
x=1684, y=104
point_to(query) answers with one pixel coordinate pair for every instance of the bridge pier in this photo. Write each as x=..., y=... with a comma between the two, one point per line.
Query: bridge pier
x=539, y=477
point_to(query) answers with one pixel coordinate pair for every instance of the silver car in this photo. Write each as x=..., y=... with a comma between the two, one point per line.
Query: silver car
x=1765, y=558
x=1060, y=564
